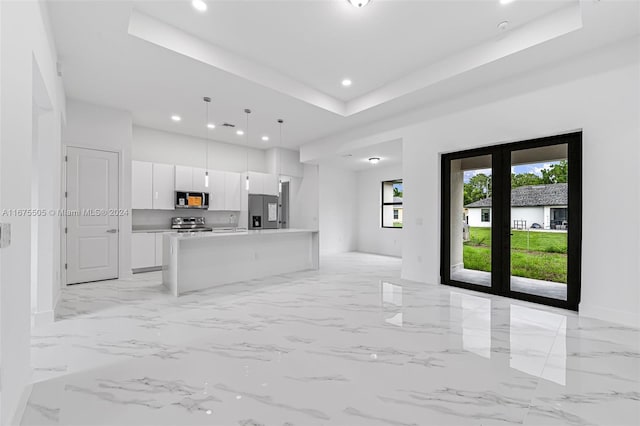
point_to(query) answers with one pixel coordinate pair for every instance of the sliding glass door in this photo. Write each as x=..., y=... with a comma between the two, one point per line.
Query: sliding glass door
x=511, y=220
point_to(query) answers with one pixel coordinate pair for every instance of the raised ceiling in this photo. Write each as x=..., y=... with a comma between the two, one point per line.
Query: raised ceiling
x=286, y=59
x=319, y=43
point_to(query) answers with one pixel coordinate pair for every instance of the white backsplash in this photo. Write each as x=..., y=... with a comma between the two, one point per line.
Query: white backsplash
x=162, y=218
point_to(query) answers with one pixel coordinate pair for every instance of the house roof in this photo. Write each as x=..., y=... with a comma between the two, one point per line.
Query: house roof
x=532, y=196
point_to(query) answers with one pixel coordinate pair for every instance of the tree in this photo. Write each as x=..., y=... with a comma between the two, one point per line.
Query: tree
x=524, y=179
x=558, y=173
x=478, y=187
x=397, y=193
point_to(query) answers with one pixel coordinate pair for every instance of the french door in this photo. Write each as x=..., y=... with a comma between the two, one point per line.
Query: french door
x=512, y=220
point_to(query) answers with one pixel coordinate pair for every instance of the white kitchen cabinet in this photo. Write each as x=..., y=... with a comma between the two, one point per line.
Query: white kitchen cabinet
x=256, y=183
x=263, y=183
x=141, y=185
x=199, y=180
x=163, y=187
x=184, y=178
x=158, y=252
x=270, y=184
x=143, y=250
x=216, y=190
x=232, y=191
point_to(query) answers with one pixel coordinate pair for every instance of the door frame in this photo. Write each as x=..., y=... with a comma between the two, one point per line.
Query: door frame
x=501, y=220
x=63, y=222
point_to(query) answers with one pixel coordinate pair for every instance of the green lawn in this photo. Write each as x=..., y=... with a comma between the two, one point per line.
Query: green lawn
x=539, y=255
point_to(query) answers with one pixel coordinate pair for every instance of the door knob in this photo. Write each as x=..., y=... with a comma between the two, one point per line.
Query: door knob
x=112, y=231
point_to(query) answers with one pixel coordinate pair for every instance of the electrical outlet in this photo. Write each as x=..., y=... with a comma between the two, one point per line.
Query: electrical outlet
x=5, y=235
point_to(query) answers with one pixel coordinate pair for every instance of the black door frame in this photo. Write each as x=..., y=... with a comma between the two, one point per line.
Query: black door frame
x=500, y=211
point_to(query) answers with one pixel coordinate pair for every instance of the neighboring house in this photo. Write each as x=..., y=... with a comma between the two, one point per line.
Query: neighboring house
x=397, y=214
x=543, y=205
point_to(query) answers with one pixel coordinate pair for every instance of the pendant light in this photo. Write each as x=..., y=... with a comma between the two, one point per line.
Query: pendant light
x=207, y=101
x=247, y=111
x=280, y=122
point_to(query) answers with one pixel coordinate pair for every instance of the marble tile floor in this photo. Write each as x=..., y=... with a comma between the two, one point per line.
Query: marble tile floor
x=351, y=344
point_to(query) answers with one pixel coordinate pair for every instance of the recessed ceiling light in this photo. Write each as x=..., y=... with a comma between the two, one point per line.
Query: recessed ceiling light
x=359, y=3
x=239, y=132
x=503, y=26
x=374, y=160
x=506, y=1
x=176, y=118
x=265, y=138
x=211, y=126
x=199, y=5
x=346, y=82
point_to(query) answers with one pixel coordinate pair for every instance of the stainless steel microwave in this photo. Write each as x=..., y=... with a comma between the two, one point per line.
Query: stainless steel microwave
x=192, y=200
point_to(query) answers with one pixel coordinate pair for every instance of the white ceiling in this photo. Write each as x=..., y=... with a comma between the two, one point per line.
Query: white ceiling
x=285, y=59
x=319, y=43
x=357, y=160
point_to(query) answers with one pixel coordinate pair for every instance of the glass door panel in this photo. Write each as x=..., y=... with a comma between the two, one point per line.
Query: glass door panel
x=471, y=220
x=539, y=221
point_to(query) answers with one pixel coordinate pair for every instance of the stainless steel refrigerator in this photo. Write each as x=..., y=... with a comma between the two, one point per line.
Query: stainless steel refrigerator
x=263, y=211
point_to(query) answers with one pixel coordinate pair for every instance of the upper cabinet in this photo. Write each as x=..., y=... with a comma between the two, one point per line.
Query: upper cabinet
x=199, y=180
x=232, y=191
x=154, y=186
x=151, y=186
x=163, y=187
x=263, y=183
x=184, y=178
x=192, y=179
x=141, y=185
x=270, y=184
x=256, y=183
x=216, y=190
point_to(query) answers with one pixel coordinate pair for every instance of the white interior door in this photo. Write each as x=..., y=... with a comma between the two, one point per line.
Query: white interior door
x=92, y=234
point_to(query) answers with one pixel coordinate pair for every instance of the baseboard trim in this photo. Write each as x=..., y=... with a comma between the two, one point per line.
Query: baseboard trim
x=22, y=405
x=629, y=319
x=42, y=318
x=149, y=269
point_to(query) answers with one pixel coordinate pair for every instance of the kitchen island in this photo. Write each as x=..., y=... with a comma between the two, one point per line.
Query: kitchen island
x=195, y=261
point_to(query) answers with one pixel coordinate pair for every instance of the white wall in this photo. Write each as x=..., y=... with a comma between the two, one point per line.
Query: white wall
x=26, y=48
x=604, y=103
x=157, y=146
x=371, y=236
x=303, y=194
x=98, y=127
x=284, y=162
x=596, y=92
x=529, y=214
x=337, y=209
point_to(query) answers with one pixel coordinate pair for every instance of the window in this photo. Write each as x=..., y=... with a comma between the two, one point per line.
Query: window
x=392, y=203
x=485, y=215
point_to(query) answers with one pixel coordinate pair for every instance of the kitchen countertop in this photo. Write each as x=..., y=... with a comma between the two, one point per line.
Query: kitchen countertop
x=201, y=235
x=151, y=229
x=159, y=229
